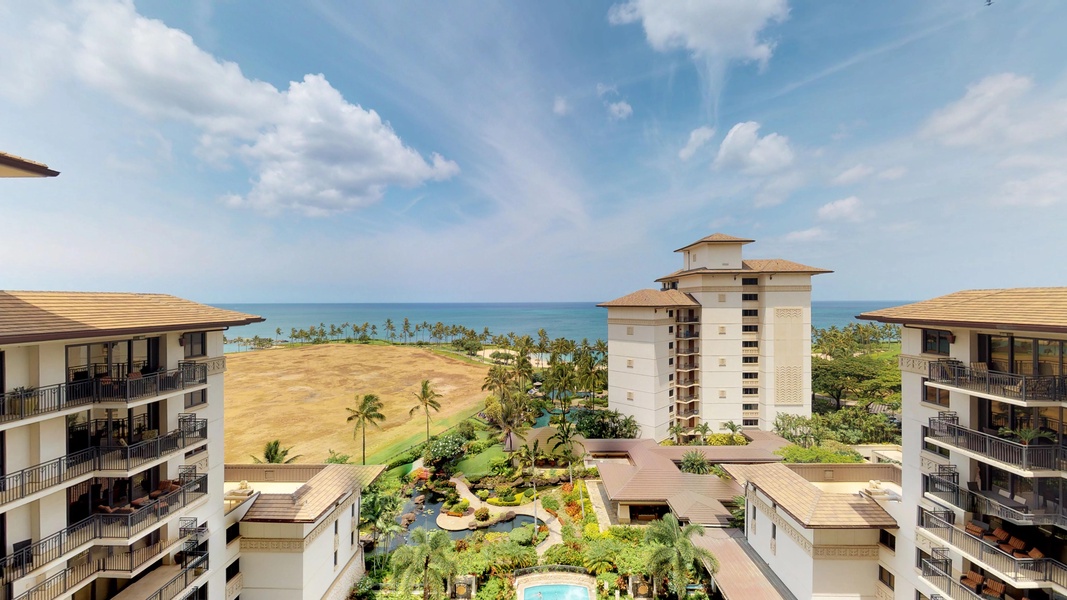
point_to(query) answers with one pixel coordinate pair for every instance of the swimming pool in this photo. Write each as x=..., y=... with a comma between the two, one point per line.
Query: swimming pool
x=556, y=591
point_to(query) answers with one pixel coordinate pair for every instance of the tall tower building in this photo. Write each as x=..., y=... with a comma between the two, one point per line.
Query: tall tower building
x=723, y=339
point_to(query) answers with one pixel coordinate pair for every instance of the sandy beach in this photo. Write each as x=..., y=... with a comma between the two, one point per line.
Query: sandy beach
x=299, y=395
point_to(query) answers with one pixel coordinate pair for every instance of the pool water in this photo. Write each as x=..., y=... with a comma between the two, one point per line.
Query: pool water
x=556, y=591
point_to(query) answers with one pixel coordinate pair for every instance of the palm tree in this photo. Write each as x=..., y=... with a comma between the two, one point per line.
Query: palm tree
x=564, y=436
x=273, y=453
x=498, y=378
x=703, y=429
x=508, y=415
x=387, y=525
x=676, y=430
x=427, y=398
x=427, y=557
x=599, y=559
x=675, y=555
x=368, y=411
x=695, y=462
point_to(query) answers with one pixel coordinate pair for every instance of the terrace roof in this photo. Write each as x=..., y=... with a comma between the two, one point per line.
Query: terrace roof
x=751, y=266
x=652, y=299
x=1026, y=309
x=43, y=316
x=323, y=487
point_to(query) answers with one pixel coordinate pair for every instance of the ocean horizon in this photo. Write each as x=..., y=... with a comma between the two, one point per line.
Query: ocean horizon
x=572, y=320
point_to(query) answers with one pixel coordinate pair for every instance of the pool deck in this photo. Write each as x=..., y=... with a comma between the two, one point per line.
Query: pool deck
x=555, y=532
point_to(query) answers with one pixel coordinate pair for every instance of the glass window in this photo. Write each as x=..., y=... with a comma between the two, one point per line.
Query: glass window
x=935, y=395
x=999, y=353
x=195, y=344
x=750, y=312
x=749, y=297
x=751, y=344
x=936, y=341
x=1048, y=358
x=887, y=578
x=887, y=539
x=1024, y=356
x=750, y=328
x=749, y=422
x=749, y=375
x=750, y=281
x=749, y=359
x=195, y=398
x=933, y=447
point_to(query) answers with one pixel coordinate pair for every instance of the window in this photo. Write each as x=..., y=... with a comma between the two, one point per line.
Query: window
x=936, y=341
x=670, y=393
x=750, y=328
x=934, y=395
x=233, y=569
x=336, y=527
x=750, y=391
x=887, y=578
x=195, y=398
x=352, y=540
x=933, y=447
x=750, y=407
x=670, y=345
x=722, y=330
x=750, y=281
x=749, y=375
x=919, y=595
x=722, y=362
x=670, y=410
x=670, y=313
x=195, y=344
x=233, y=532
x=749, y=312
x=670, y=361
x=670, y=329
x=670, y=377
x=749, y=297
x=353, y=510
x=335, y=558
x=887, y=539
x=920, y=556
x=749, y=422
x=749, y=360
x=751, y=344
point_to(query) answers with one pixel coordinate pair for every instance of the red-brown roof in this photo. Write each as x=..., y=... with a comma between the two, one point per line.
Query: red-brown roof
x=44, y=316
x=653, y=299
x=16, y=166
x=717, y=238
x=751, y=266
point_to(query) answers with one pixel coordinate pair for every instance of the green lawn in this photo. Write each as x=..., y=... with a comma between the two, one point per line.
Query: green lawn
x=436, y=427
x=479, y=463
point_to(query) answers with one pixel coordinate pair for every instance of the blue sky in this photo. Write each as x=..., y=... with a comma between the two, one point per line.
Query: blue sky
x=471, y=151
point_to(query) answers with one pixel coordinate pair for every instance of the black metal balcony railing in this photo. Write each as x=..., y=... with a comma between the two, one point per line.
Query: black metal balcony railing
x=21, y=484
x=686, y=333
x=688, y=381
x=688, y=398
x=938, y=573
x=1019, y=570
x=688, y=366
x=687, y=350
x=687, y=413
x=970, y=501
x=682, y=319
x=23, y=403
x=946, y=429
x=194, y=567
x=97, y=527
x=996, y=383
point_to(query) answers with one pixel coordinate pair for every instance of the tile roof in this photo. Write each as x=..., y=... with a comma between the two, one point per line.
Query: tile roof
x=313, y=499
x=695, y=508
x=810, y=506
x=1029, y=309
x=749, y=266
x=43, y=316
x=16, y=166
x=653, y=299
x=717, y=238
x=744, y=575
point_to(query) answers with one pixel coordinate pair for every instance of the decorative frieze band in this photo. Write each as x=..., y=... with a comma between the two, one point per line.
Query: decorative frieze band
x=846, y=552
x=642, y=322
x=821, y=551
x=215, y=365
x=775, y=518
x=914, y=364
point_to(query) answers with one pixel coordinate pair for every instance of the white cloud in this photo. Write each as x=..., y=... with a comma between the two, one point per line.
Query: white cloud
x=619, y=111
x=602, y=89
x=805, y=235
x=1040, y=190
x=308, y=149
x=697, y=139
x=845, y=209
x=713, y=30
x=560, y=106
x=892, y=173
x=743, y=149
x=997, y=110
x=777, y=188
x=852, y=175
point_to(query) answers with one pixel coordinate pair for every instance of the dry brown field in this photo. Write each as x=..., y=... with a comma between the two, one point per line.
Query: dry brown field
x=298, y=395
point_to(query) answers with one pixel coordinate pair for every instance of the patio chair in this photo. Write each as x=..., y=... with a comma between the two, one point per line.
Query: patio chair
x=1014, y=545
x=992, y=588
x=999, y=536
x=975, y=529
x=972, y=580
x=1034, y=553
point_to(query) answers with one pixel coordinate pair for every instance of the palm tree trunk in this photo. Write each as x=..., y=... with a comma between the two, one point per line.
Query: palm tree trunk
x=427, y=425
x=364, y=444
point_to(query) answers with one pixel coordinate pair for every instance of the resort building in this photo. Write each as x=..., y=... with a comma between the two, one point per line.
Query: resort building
x=984, y=385
x=828, y=531
x=293, y=530
x=111, y=431
x=724, y=339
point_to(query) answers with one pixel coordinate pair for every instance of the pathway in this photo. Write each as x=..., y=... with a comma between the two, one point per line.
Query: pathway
x=555, y=532
x=601, y=504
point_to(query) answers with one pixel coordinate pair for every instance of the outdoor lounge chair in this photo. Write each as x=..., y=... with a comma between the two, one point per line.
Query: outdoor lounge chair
x=1034, y=553
x=993, y=589
x=1014, y=545
x=972, y=580
x=975, y=530
x=999, y=536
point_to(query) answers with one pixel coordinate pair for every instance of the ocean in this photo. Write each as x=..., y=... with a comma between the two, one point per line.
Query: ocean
x=572, y=320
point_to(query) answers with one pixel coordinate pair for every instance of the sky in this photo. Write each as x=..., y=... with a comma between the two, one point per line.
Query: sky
x=330, y=151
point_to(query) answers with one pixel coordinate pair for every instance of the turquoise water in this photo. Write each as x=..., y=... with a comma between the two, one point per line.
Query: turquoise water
x=556, y=591
x=571, y=320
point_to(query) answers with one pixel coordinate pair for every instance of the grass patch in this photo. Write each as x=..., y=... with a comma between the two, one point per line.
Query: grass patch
x=437, y=426
x=479, y=463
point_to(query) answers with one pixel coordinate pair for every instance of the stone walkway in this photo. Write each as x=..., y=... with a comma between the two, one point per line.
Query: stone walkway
x=601, y=505
x=555, y=535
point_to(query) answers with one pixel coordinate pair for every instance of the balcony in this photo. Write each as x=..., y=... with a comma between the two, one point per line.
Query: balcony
x=938, y=573
x=945, y=430
x=681, y=319
x=687, y=382
x=687, y=398
x=118, y=561
x=687, y=413
x=687, y=366
x=686, y=333
x=100, y=526
x=687, y=349
x=978, y=379
x=990, y=503
x=57, y=472
x=24, y=403
x=1018, y=571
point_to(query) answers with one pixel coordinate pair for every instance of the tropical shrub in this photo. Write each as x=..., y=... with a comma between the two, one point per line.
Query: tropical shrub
x=522, y=535
x=591, y=531
x=482, y=514
x=482, y=494
x=627, y=533
x=725, y=439
x=563, y=554
x=550, y=502
x=466, y=429
x=462, y=505
x=505, y=501
x=817, y=454
x=444, y=451
x=695, y=462
x=529, y=492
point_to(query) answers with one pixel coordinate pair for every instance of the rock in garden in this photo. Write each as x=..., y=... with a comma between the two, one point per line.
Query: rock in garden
x=420, y=499
x=508, y=516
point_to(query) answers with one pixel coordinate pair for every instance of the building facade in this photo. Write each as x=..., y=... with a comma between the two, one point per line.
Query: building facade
x=724, y=339
x=984, y=376
x=112, y=446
